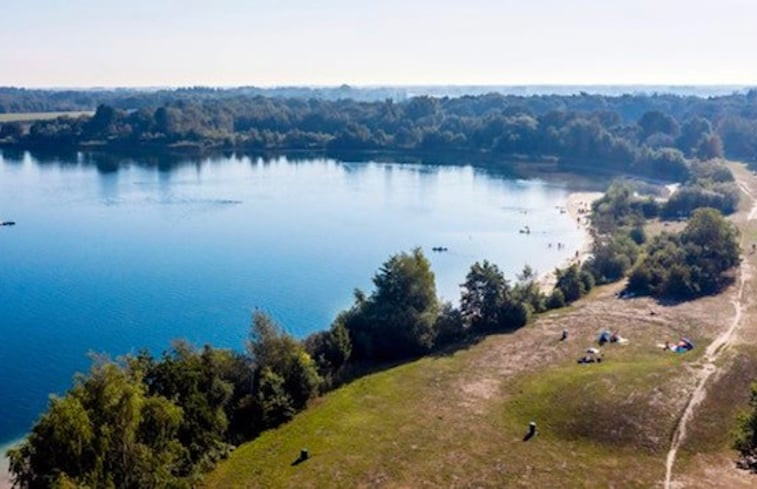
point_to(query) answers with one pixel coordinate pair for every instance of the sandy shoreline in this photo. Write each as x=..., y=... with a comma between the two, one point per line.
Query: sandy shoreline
x=5, y=482
x=577, y=205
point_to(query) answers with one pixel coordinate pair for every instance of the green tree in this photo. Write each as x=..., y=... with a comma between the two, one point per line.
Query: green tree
x=691, y=263
x=528, y=290
x=192, y=380
x=487, y=303
x=655, y=121
x=692, y=132
x=711, y=245
x=612, y=256
x=397, y=319
x=330, y=349
x=573, y=283
x=271, y=349
x=746, y=437
x=484, y=293
x=105, y=432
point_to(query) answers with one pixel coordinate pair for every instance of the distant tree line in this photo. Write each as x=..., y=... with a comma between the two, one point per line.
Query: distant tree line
x=16, y=100
x=657, y=121
x=664, y=141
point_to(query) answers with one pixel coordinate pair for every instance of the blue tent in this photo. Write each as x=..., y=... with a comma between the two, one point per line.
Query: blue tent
x=604, y=337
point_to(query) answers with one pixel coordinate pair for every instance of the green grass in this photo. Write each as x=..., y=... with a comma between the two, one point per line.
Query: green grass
x=603, y=404
x=356, y=433
x=728, y=396
x=39, y=116
x=405, y=427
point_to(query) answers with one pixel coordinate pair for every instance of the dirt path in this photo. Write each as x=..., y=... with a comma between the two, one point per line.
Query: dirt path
x=712, y=354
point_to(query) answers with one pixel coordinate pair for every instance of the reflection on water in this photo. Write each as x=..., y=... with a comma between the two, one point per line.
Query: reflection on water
x=116, y=253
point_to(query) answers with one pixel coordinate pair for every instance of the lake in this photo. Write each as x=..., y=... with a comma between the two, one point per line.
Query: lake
x=111, y=257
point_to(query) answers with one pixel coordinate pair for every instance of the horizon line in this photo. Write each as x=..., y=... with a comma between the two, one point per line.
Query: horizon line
x=380, y=85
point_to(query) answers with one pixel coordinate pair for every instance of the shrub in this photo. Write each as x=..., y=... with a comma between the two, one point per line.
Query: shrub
x=746, y=437
x=556, y=299
x=612, y=257
x=691, y=263
x=450, y=326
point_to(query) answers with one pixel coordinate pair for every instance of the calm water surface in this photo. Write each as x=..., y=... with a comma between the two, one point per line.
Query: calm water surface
x=111, y=259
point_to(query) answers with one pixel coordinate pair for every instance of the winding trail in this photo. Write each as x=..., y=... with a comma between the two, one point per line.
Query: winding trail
x=712, y=354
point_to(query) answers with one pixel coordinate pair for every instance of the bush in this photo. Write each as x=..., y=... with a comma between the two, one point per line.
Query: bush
x=746, y=436
x=516, y=314
x=274, y=351
x=573, y=283
x=450, y=326
x=556, y=299
x=638, y=235
x=330, y=349
x=528, y=291
x=721, y=196
x=612, y=257
x=691, y=263
x=641, y=280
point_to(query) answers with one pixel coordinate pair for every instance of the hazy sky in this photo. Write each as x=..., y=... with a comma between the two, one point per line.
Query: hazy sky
x=327, y=42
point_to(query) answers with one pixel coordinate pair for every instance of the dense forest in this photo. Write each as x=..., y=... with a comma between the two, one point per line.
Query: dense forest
x=656, y=136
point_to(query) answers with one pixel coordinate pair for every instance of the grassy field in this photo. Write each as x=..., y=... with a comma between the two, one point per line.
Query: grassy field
x=38, y=116
x=458, y=420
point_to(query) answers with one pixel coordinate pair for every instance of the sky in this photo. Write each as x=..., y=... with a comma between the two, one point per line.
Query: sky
x=149, y=43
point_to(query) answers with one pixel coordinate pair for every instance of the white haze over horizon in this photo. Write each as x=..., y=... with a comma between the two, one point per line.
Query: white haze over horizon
x=151, y=43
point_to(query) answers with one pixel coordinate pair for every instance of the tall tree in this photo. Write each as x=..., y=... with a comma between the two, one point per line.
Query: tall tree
x=397, y=319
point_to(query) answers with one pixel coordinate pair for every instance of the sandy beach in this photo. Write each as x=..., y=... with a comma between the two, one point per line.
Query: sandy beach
x=578, y=206
x=5, y=482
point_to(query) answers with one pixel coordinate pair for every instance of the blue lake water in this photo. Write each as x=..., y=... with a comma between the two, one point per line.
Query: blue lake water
x=111, y=258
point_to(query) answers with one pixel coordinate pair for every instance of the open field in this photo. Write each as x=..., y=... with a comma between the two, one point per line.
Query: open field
x=458, y=420
x=39, y=116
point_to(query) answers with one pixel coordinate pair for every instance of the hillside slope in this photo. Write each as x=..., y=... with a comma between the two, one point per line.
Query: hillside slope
x=458, y=420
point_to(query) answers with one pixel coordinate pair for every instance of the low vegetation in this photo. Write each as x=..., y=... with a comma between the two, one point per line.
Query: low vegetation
x=746, y=437
x=691, y=263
